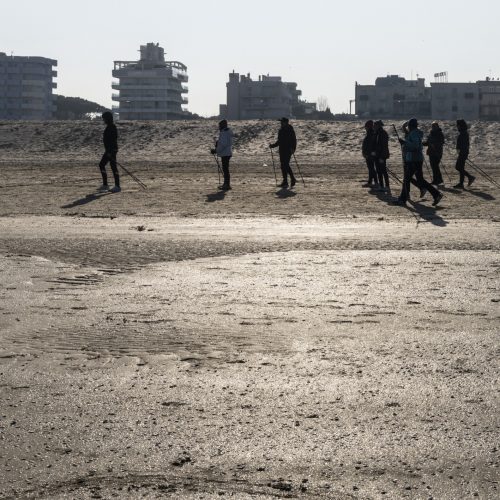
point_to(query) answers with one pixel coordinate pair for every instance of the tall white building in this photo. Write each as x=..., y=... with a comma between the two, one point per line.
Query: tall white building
x=151, y=88
x=26, y=85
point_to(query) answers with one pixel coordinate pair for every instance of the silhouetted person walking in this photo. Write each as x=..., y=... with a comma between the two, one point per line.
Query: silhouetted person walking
x=381, y=145
x=110, y=139
x=414, y=160
x=287, y=144
x=368, y=150
x=224, y=150
x=435, y=142
x=463, y=147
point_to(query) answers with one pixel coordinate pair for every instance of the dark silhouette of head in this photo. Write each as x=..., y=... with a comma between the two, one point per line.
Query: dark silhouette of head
x=107, y=117
x=223, y=125
x=435, y=126
x=413, y=124
x=284, y=121
x=462, y=125
x=378, y=124
x=369, y=125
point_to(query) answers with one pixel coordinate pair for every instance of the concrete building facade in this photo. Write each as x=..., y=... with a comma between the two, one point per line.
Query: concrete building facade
x=26, y=85
x=266, y=98
x=452, y=101
x=151, y=88
x=489, y=99
x=393, y=97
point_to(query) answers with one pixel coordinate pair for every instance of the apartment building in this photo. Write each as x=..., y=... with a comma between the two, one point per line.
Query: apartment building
x=393, y=97
x=269, y=97
x=26, y=85
x=151, y=88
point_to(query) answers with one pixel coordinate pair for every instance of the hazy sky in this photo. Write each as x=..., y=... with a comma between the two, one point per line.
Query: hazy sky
x=323, y=45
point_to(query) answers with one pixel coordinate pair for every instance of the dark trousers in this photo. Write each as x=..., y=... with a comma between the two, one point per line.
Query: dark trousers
x=286, y=170
x=225, y=170
x=460, y=166
x=411, y=169
x=111, y=158
x=372, y=173
x=381, y=169
x=437, y=178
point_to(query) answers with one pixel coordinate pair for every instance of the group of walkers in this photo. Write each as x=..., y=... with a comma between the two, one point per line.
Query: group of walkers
x=375, y=149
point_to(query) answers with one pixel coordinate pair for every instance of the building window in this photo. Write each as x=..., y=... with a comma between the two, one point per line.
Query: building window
x=469, y=95
x=364, y=97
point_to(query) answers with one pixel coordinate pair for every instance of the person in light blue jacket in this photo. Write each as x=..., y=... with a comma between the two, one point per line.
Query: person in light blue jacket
x=414, y=160
x=224, y=150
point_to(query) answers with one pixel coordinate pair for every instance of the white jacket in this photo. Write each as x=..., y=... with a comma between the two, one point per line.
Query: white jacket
x=225, y=143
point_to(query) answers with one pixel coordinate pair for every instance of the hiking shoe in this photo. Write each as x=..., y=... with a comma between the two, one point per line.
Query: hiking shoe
x=116, y=189
x=225, y=187
x=437, y=199
x=103, y=189
x=366, y=185
x=423, y=191
x=458, y=186
x=293, y=181
x=284, y=184
x=471, y=180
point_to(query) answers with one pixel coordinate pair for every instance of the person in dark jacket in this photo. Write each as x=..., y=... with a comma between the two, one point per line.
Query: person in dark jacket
x=381, y=155
x=287, y=144
x=414, y=160
x=368, y=154
x=435, y=142
x=463, y=146
x=110, y=139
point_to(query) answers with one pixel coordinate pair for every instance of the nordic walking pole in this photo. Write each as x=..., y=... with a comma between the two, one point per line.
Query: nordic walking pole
x=274, y=167
x=483, y=173
x=446, y=171
x=428, y=168
x=218, y=166
x=393, y=175
x=298, y=168
x=143, y=186
x=402, y=156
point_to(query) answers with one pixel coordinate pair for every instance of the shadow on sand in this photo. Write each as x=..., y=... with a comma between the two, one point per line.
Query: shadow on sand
x=425, y=212
x=285, y=193
x=87, y=199
x=218, y=196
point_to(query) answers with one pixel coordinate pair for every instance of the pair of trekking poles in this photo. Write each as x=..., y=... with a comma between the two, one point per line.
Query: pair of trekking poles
x=219, y=168
x=480, y=171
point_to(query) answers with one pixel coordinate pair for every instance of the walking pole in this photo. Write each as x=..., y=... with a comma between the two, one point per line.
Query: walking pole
x=218, y=166
x=143, y=186
x=402, y=157
x=483, y=173
x=298, y=168
x=393, y=175
x=446, y=171
x=274, y=167
x=428, y=168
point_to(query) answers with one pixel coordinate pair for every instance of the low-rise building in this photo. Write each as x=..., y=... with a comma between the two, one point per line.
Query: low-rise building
x=453, y=101
x=393, y=97
x=266, y=98
x=151, y=88
x=489, y=99
x=26, y=85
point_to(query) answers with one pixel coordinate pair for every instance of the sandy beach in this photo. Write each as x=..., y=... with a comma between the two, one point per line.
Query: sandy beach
x=181, y=342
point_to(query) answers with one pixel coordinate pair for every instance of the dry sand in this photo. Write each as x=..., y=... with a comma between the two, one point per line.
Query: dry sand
x=182, y=343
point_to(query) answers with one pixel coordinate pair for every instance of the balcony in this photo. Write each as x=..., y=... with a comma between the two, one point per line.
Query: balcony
x=185, y=88
x=185, y=100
